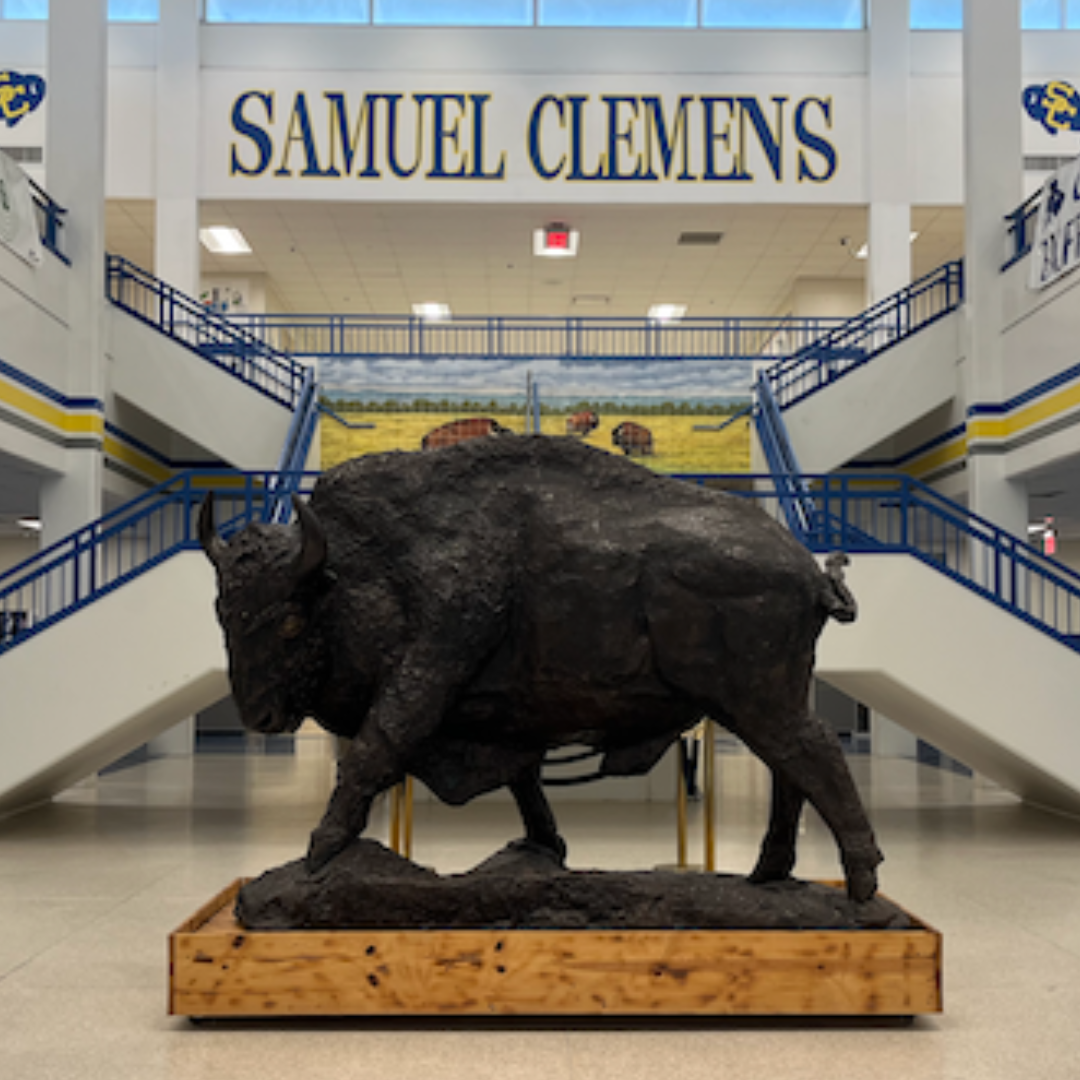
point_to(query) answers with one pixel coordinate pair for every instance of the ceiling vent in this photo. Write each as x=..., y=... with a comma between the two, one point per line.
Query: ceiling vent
x=699, y=239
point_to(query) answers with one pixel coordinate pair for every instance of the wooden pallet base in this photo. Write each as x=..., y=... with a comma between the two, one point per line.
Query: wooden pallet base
x=218, y=969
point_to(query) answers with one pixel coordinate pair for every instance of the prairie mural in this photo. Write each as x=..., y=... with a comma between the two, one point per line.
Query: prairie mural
x=672, y=416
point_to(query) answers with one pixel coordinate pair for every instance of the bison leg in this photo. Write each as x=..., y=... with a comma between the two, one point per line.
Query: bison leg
x=777, y=858
x=807, y=756
x=368, y=767
x=540, y=827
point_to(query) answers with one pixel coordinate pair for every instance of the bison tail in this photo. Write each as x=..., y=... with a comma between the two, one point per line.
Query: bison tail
x=839, y=603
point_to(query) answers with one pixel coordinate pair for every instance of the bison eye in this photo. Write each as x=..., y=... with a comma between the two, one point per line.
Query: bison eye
x=291, y=626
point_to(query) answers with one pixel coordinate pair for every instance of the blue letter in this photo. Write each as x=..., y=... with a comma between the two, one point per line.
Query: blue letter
x=815, y=142
x=534, y=137
x=252, y=131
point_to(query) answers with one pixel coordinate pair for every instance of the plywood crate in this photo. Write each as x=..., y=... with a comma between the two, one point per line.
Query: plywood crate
x=219, y=969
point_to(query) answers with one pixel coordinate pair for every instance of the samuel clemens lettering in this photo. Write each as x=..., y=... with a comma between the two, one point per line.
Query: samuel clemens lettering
x=572, y=137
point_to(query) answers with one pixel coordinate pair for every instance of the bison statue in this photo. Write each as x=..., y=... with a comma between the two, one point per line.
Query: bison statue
x=456, y=614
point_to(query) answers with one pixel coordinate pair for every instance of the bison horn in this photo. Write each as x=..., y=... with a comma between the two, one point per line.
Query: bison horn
x=313, y=549
x=212, y=544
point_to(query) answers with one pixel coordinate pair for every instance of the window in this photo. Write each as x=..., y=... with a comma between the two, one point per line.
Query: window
x=133, y=10
x=785, y=14
x=616, y=12
x=26, y=9
x=287, y=11
x=937, y=14
x=466, y=13
x=1041, y=15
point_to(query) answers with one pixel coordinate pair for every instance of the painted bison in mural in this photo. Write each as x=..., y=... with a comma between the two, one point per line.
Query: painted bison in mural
x=581, y=423
x=632, y=439
x=473, y=427
x=458, y=613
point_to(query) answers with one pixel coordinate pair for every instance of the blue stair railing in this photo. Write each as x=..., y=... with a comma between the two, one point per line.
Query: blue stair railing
x=860, y=339
x=531, y=338
x=878, y=513
x=789, y=488
x=894, y=513
x=290, y=471
x=115, y=549
x=217, y=339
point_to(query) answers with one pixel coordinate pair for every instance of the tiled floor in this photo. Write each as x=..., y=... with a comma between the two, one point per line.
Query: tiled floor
x=91, y=885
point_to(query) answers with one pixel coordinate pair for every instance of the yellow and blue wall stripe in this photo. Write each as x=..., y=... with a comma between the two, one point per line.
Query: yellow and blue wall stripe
x=78, y=423
x=1044, y=409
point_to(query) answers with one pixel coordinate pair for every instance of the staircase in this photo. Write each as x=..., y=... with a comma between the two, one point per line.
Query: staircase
x=966, y=635
x=883, y=371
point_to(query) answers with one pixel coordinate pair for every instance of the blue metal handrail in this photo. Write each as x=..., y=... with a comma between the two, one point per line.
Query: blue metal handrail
x=865, y=336
x=882, y=513
x=217, y=339
x=790, y=489
x=530, y=338
x=102, y=556
x=290, y=471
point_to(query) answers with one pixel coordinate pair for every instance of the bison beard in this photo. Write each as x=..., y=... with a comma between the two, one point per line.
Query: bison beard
x=457, y=613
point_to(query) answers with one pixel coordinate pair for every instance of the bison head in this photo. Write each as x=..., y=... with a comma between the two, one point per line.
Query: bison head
x=270, y=578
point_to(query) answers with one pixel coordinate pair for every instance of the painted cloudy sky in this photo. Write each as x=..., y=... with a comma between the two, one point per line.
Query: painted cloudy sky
x=667, y=380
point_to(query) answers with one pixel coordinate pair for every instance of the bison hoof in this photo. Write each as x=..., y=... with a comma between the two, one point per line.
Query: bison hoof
x=861, y=885
x=325, y=845
x=772, y=867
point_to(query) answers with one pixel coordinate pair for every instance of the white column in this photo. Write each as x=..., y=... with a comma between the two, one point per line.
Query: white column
x=75, y=178
x=993, y=186
x=889, y=260
x=176, y=254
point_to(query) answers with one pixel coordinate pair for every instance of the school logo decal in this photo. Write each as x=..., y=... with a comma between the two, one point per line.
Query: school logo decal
x=1055, y=105
x=20, y=95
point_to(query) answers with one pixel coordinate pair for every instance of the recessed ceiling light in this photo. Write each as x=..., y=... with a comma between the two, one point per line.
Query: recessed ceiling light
x=556, y=241
x=667, y=312
x=223, y=240
x=432, y=311
x=33, y=524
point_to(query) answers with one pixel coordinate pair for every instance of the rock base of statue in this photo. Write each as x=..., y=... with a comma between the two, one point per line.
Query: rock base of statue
x=375, y=935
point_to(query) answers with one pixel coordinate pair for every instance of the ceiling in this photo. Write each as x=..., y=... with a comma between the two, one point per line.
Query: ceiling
x=381, y=258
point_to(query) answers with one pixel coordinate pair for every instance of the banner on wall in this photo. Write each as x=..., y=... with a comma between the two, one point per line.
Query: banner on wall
x=604, y=138
x=18, y=220
x=1056, y=246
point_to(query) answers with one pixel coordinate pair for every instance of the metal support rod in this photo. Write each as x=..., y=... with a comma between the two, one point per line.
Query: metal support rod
x=395, y=819
x=407, y=818
x=680, y=804
x=708, y=749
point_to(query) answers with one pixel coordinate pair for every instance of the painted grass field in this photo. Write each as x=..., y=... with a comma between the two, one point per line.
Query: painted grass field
x=678, y=447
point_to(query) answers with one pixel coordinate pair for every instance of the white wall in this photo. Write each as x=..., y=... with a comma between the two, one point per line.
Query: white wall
x=511, y=61
x=14, y=549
